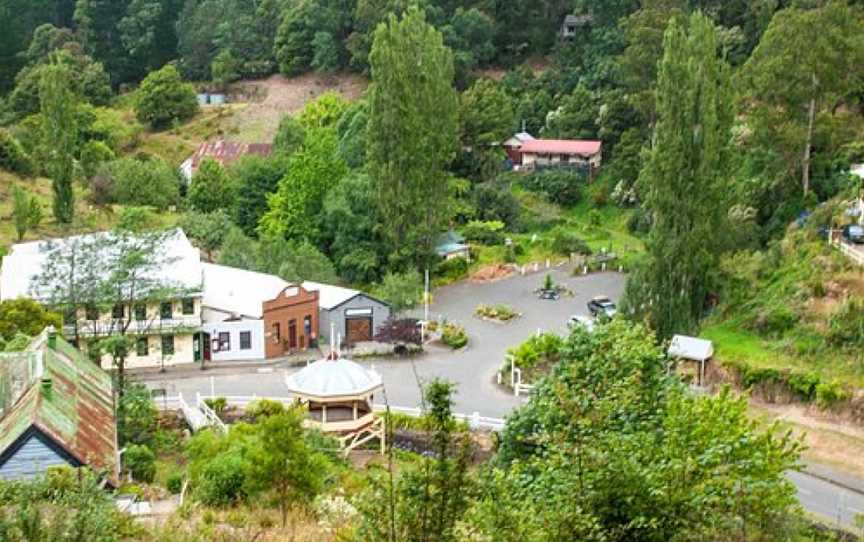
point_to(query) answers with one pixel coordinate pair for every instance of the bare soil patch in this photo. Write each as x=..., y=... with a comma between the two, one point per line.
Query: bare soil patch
x=277, y=96
x=492, y=272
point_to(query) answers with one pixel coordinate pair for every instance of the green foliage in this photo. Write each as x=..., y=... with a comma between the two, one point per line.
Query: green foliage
x=846, y=325
x=140, y=462
x=136, y=416
x=26, y=212
x=164, y=98
x=206, y=230
x=323, y=112
x=221, y=480
x=254, y=178
x=25, y=316
x=295, y=44
x=262, y=408
x=94, y=153
x=174, y=483
x=452, y=269
x=312, y=171
x=486, y=119
x=13, y=157
x=305, y=262
x=61, y=507
x=609, y=422
x=130, y=181
x=687, y=232
x=402, y=291
x=59, y=137
x=351, y=129
x=575, y=118
x=454, y=335
x=217, y=404
x=212, y=187
x=503, y=313
x=561, y=187
x=564, y=241
x=485, y=233
x=539, y=351
x=325, y=52
x=225, y=68
x=413, y=121
x=289, y=136
x=493, y=202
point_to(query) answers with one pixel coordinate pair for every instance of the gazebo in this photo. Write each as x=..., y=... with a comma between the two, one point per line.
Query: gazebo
x=692, y=349
x=338, y=394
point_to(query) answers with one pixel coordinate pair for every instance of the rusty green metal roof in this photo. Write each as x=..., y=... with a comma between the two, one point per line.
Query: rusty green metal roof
x=76, y=411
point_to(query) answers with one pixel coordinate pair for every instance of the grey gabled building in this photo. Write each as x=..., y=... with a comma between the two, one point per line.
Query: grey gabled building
x=354, y=315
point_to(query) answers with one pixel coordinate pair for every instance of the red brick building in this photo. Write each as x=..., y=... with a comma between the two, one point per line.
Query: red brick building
x=290, y=321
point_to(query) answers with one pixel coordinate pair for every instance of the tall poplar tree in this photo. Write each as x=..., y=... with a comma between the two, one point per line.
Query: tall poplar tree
x=412, y=132
x=60, y=136
x=685, y=178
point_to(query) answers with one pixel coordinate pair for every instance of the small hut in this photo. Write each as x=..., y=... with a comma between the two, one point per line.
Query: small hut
x=338, y=394
x=692, y=349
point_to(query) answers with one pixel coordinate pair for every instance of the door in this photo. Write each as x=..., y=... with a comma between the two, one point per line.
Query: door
x=206, y=341
x=358, y=330
x=292, y=334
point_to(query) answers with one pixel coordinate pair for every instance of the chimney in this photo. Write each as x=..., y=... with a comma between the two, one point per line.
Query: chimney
x=52, y=337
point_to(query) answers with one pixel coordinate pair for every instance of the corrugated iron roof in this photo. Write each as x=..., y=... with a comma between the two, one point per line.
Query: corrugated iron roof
x=225, y=152
x=562, y=146
x=76, y=412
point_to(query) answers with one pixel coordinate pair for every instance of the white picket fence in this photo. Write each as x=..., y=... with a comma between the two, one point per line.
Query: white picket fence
x=202, y=416
x=835, y=239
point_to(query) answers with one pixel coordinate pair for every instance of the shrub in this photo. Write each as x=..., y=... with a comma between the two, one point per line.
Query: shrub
x=829, y=394
x=566, y=242
x=13, y=157
x=804, y=385
x=93, y=155
x=494, y=202
x=454, y=336
x=497, y=312
x=263, y=408
x=486, y=233
x=561, y=187
x=217, y=404
x=405, y=330
x=402, y=290
x=774, y=321
x=537, y=350
x=164, y=98
x=136, y=415
x=140, y=462
x=138, y=182
x=174, y=483
x=846, y=325
x=639, y=221
x=221, y=481
x=452, y=269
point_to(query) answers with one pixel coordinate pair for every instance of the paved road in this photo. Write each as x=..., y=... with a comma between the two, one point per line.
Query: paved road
x=473, y=369
x=833, y=504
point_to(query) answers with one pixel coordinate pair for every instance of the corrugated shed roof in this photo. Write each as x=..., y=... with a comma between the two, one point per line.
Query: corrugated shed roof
x=225, y=152
x=26, y=260
x=239, y=291
x=76, y=412
x=562, y=146
x=690, y=348
x=330, y=296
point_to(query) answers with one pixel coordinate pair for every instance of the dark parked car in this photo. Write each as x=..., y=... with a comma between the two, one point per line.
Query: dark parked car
x=602, y=306
x=853, y=233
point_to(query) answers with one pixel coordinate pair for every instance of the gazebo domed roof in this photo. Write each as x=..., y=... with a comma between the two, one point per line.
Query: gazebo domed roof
x=325, y=379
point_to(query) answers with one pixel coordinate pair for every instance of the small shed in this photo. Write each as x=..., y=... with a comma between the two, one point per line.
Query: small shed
x=354, y=315
x=62, y=415
x=692, y=349
x=513, y=146
x=572, y=23
x=452, y=245
x=338, y=395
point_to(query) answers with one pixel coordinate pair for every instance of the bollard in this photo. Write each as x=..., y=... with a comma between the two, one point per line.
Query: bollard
x=547, y=263
x=536, y=267
x=603, y=267
x=585, y=270
x=620, y=268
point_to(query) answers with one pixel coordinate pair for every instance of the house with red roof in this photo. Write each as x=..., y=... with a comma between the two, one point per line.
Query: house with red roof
x=223, y=151
x=554, y=153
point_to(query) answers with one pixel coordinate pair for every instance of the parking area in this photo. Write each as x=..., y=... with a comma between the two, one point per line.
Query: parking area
x=471, y=369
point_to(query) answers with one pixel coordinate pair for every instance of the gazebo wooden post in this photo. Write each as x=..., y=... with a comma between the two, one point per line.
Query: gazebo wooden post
x=354, y=404
x=323, y=413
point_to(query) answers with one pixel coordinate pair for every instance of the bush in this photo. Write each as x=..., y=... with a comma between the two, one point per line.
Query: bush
x=829, y=394
x=454, y=336
x=494, y=202
x=486, y=233
x=135, y=182
x=164, y=98
x=140, y=461
x=774, y=321
x=502, y=313
x=221, y=481
x=13, y=157
x=404, y=331
x=402, y=290
x=537, y=350
x=566, y=242
x=217, y=404
x=561, y=187
x=93, y=155
x=136, y=415
x=804, y=385
x=639, y=221
x=846, y=325
x=174, y=483
x=263, y=408
x=452, y=269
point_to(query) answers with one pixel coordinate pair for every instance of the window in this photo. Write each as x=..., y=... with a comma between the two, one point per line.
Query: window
x=224, y=341
x=92, y=312
x=167, y=345
x=245, y=340
x=166, y=311
x=142, y=346
x=277, y=334
x=188, y=305
x=140, y=311
x=118, y=312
